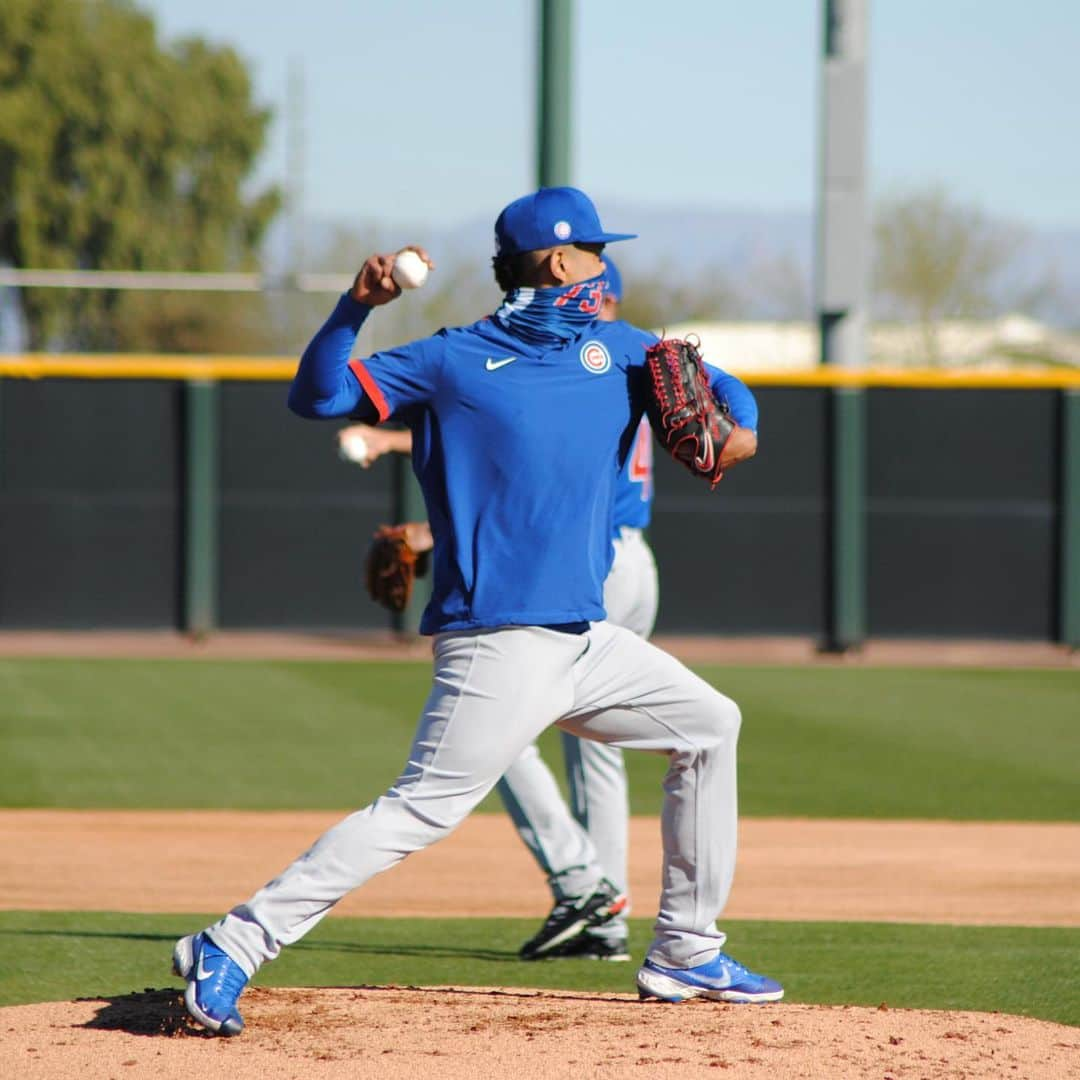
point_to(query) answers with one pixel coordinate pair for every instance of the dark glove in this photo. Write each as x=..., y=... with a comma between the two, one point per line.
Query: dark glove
x=688, y=421
x=391, y=568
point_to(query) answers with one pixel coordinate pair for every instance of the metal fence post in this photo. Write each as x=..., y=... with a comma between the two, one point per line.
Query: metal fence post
x=1069, y=518
x=847, y=607
x=554, y=92
x=840, y=295
x=409, y=506
x=4, y=555
x=201, y=505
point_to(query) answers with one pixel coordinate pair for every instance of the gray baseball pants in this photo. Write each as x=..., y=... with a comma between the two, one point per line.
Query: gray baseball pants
x=493, y=692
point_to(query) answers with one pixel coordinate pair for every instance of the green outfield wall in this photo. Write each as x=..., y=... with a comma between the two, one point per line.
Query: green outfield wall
x=179, y=492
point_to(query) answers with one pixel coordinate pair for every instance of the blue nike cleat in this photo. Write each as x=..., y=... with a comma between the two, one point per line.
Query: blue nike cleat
x=214, y=982
x=720, y=979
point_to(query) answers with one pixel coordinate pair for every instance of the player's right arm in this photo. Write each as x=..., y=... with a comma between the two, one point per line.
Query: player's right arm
x=377, y=440
x=323, y=385
x=328, y=383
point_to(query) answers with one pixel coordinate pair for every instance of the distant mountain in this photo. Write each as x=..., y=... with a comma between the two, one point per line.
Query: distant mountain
x=752, y=247
x=731, y=238
x=695, y=238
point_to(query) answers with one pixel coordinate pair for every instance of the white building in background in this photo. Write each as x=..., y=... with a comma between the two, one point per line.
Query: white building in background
x=1008, y=340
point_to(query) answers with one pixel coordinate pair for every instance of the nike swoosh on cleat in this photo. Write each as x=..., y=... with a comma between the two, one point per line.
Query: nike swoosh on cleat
x=494, y=365
x=201, y=973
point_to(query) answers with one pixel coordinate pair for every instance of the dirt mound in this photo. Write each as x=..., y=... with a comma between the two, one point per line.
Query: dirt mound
x=411, y=1032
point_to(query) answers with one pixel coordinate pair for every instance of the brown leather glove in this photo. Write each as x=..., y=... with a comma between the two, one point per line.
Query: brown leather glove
x=688, y=421
x=392, y=567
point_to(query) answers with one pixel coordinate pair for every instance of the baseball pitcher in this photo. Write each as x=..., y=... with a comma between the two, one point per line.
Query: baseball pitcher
x=521, y=425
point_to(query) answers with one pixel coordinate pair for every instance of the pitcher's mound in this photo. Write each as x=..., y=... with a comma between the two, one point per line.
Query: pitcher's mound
x=455, y=1032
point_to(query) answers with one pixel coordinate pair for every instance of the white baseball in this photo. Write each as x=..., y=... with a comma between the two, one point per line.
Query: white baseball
x=354, y=448
x=410, y=271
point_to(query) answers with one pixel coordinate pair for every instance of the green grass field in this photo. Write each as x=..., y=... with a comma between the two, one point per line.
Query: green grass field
x=891, y=743
x=1031, y=972
x=816, y=742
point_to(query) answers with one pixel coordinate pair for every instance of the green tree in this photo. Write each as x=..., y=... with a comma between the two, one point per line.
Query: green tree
x=663, y=296
x=935, y=258
x=119, y=153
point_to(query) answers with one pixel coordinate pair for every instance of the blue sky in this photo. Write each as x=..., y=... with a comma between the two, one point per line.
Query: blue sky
x=422, y=111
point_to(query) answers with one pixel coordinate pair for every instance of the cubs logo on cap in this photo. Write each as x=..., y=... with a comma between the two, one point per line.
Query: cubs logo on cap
x=595, y=358
x=549, y=217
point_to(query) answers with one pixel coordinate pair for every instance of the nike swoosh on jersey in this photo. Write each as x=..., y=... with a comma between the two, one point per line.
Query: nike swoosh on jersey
x=201, y=973
x=494, y=365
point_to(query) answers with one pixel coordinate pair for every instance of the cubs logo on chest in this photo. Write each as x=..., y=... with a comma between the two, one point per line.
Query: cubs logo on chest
x=595, y=358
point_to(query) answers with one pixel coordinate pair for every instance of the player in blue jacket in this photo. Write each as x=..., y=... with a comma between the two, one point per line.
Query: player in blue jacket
x=583, y=852
x=521, y=424
x=596, y=774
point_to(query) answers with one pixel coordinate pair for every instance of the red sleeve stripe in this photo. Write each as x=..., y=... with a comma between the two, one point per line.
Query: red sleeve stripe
x=371, y=388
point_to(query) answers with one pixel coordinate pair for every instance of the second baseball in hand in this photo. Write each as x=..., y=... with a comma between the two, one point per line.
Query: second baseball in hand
x=354, y=448
x=410, y=271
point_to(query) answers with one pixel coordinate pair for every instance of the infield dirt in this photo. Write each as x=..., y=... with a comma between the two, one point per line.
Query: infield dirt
x=410, y=1033
x=899, y=871
x=976, y=873
x=924, y=872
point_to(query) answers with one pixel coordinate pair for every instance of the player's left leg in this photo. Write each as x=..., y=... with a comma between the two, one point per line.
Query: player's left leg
x=632, y=695
x=595, y=772
x=559, y=844
x=599, y=799
x=632, y=587
x=583, y=897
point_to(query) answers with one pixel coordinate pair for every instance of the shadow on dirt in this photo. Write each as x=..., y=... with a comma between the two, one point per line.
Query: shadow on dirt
x=152, y=1012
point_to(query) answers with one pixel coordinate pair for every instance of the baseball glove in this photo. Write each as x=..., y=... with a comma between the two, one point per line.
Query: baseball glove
x=688, y=421
x=392, y=567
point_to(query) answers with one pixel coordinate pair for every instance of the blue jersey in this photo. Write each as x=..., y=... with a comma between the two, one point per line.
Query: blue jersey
x=529, y=439
x=634, y=491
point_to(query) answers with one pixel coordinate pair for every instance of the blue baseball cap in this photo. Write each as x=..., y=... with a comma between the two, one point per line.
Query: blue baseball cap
x=614, y=278
x=550, y=217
